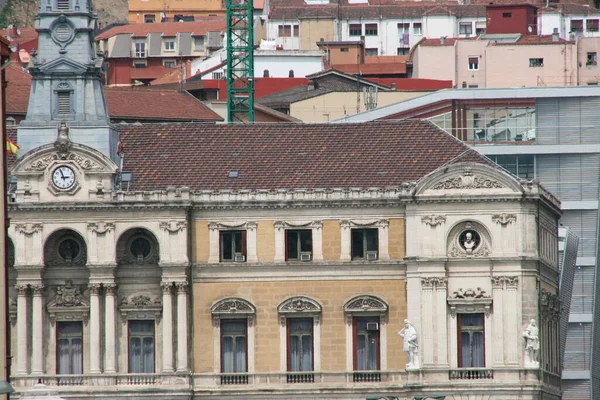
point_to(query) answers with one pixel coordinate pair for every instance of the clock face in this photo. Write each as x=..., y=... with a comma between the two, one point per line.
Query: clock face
x=63, y=177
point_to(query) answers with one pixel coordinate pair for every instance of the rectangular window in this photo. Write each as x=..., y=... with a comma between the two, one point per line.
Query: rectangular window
x=417, y=28
x=169, y=64
x=522, y=166
x=140, y=49
x=296, y=30
x=536, y=62
x=591, y=25
x=355, y=30
x=365, y=244
x=371, y=52
x=69, y=348
x=403, y=28
x=64, y=102
x=344, y=50
x=63, y=4
x=233, y=245
x=298, y=244
x=370, y=29
x=300, y=344
x=591, y=58
x=199, y=43
x=366, y=343
x=141, y=347
x=149, y=18
x=169, y=44
x=473, y=63
x=507, y=15
x=402, y=51
x=471, y=341
x=576, y=25
x=285, y=31
x=234, y=347
x=479, y=28
x=140, y=64
x=465, y=28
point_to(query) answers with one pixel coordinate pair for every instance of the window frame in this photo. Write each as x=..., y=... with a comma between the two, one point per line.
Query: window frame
x=140, y=48
x=592, y=25
x=365, y=243
x=288, y=322
x=460, y=330
x=151, y=323
x=284, y=30
x=245, y=335
x=417, y=28
x=371, y=29
x=234, y=253
x=62, y=94
x=58, y=338
x=171, y=44
x=591, y=58
x=377, y=338
x=369, y=52
x=149, y=18
x=536, y=62
x=299, y=239
x=576, y=25
x=203, y=46
x=173, y=63
x=473, y=66
x=465, y=25
x=354, y=28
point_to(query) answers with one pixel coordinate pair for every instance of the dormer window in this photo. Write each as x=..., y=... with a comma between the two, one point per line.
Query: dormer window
x=63, y=4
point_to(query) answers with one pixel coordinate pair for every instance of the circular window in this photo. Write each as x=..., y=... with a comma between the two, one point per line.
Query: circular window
x=140, y=248
x=68, y=249
x=469, y=240
x=62, y=32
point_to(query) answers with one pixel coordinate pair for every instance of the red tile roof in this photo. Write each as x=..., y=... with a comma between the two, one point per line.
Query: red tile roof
x=152, y=104
x=533, y=40
x=197, y=28
x=22, y=35
x=122, y=103
x=287, y=156
x=262, y=86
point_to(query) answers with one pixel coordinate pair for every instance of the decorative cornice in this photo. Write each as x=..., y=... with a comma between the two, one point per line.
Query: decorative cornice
x=470, y=294
x=140, y=306
x=173, y=226
x=29, y=229
x=504, y=219
x=502, y=281
x=318, y=224
x=249, y=225
x=181, y=287
x=233, y=306
x=365, y=304
x=299, y=304
x=101, y=227
x=433, y=220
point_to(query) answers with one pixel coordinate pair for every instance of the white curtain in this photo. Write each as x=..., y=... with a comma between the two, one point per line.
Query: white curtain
x=478, y=359
x=141, y=347
x=361, y=353
x=77, y=356
x=240, y=354
x=70, y=348
x=135, y=355
x=227, y=353
x=301, y=343
x=63, y=357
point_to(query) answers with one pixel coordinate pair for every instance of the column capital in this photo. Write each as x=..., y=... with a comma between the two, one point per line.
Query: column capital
x=110, y=288
x=38, y=290
x=94, y=288
x=182, y=287
x=166, y=286
x=21, y=290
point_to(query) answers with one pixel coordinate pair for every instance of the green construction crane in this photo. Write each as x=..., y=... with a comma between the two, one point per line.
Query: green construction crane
x=240, y=61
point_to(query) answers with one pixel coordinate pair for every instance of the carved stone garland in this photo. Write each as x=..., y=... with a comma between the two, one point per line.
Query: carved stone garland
x=468, y=181
x=433, y=220
x=470, y=301
x=365, y=304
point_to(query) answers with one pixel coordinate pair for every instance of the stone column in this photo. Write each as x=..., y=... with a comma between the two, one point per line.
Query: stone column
x=167, y=328
x=22, y=330
x=94, y=327
x=37, y=328
x=317, y=240
x=497, y=320
x=110, y=290
x=182, y=348
x=427, y=329
x=512, y=323
x=441, y=320
x=345, y=241
x=384, y=242
x=279, y=241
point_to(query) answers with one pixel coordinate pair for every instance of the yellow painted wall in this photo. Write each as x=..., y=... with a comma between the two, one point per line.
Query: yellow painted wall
x=332, y=239
x=331, y=106
x=266, y=296
x=313, y=30
x=397, y=239
x=200, y=243
x=265, y=241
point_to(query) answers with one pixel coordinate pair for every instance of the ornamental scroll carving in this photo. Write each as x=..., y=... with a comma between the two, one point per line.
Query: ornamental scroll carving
x=284, y=224
x=101, y=227
x=550, y=305
x=468, y=181
x=365, y=304
x=233, y=306
x=28, y=229
x=250, y=225
x=68, y=304
x=504, y=219
x=434, y=282
x=433, y=220
x=42, y=163
x=299, y=305
x=470, y=301
x=505, y=281
x=173, y=226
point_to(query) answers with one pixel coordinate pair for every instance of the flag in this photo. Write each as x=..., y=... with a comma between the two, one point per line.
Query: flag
x=11, y=147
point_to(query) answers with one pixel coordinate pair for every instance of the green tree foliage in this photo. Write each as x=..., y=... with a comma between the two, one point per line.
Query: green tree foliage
x=20, y=13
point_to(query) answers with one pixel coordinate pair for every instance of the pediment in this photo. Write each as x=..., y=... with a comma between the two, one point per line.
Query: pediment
x=468, y=179
x=61, y=65
x=86, y=158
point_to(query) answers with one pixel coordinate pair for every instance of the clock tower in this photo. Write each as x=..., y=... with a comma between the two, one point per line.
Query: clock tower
x=67, y=81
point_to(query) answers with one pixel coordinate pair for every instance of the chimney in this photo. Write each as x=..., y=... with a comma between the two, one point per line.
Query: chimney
x=555, y=35
x=443, y=40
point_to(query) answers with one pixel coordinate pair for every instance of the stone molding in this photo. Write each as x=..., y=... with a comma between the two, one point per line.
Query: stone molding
x=377, y=223
x=173, y=226
x=140, y=306
x=469, y=301
x=101, y=227
x=505, y=281
x=431, y=282
x=233, y=307
x=316, y=224
x=69, y=304
x=29, y=229
x=249, y=225
x=299, y=306
x=468, y=180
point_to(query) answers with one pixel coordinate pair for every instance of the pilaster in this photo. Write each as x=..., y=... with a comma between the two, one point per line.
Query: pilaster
x=182, y=330
x=22, y=331
x=167, y=328
x=94, y=326
x=37, y=327
x=110, y=290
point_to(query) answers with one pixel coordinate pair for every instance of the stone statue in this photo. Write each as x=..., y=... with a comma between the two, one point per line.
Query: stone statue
x=532, y=345
x=411, y=346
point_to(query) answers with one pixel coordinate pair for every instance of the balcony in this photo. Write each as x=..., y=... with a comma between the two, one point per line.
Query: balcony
x=471, y=374
x=105, y=380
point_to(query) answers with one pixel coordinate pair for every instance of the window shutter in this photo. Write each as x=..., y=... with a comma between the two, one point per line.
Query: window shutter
x=244, y=243
x=64, y=103
x=62, y=4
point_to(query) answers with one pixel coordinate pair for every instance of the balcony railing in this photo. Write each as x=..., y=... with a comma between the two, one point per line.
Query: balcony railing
x=301, y=377
x=100, y=380
x=471, y=373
